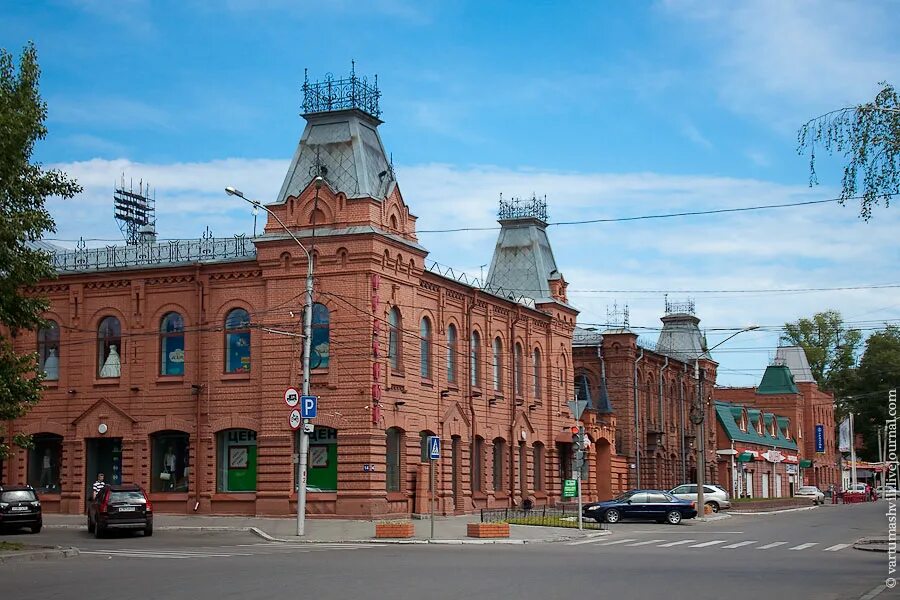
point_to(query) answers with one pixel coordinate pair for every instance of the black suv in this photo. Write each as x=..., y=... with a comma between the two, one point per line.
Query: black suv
x=20, y=507
x=120, y=507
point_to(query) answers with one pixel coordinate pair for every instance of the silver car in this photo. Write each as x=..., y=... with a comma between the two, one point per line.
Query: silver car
x=811, y=491
x=713, y=496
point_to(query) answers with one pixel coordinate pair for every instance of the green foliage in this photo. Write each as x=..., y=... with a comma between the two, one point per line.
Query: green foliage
x=24, y=188
x=830, y=347
x=868, y=136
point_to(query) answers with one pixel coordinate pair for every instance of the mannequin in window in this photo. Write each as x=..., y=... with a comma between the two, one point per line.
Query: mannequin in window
x=113, y=366
x=51, y=365
x=47, y=470
x=169, y=461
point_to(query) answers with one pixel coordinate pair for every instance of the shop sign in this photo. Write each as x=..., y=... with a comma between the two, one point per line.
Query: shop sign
x=790, y=469
x=570, y=488
x=773, y=456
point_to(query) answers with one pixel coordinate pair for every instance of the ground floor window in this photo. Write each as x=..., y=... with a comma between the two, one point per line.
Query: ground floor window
x=322, y=460
x=538, y=467
x=169, y=462
x=236, y=460
x=392, y=471
x=477, y=458
x=44, y=460
x=499, y=452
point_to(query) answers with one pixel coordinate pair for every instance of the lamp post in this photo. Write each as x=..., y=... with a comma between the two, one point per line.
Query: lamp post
x=307, y=342
x=698, y=417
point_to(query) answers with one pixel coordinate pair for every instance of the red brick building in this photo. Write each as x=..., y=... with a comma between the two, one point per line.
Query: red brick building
x=167, y=362
x=788, y=389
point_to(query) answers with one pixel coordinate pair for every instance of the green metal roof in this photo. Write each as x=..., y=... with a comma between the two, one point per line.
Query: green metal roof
x=777, y=380
x=725, y=412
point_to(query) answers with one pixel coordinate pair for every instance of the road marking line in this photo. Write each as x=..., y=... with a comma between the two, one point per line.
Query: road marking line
x=126, y=554
x=804, y=546
x=739, y=544
x=644, y=543
x=590, y=541
x=710, y=543
x=835, y=548
x=625, y=541
x=678, y=543
x=767, y=546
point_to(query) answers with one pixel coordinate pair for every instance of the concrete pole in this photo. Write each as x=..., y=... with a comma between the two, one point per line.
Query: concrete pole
x=701, y=445
x=304, y=438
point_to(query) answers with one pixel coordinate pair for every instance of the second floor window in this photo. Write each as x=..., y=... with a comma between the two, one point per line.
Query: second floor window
x=109, y=345
x=452, y=343
x=171, y=342
x=475, y=360
x=48, y=350
x=425, y=344
x=321, y=343
x=237, y=341
x=536, y=367
x=394, y=340
x=497, y=364
x=519, y=371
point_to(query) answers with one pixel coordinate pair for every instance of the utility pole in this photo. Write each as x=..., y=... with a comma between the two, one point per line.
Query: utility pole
x=698, y=419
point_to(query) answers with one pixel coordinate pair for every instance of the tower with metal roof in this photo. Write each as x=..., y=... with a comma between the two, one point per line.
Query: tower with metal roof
x=680, y=337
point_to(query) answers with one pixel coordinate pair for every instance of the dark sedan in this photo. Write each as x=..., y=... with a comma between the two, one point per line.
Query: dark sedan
x=20, y=507
x=656, y=505
x=120, y=507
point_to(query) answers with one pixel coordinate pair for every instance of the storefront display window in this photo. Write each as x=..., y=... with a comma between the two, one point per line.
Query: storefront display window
x=109, y=347
x=237, y=341
x=169, y=461
x=171, y=343
x=322, y=470
x=236, y=460
x=48, y=350
x=44, y=459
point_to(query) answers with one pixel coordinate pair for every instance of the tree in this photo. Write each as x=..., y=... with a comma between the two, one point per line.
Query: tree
x=868, y=135
x=866, y=394
x=24, y=188
x=830, y=347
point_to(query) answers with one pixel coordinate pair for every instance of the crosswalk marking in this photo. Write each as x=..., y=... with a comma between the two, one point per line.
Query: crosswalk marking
x=804, y=546
x=709, y=543
x=772, y=545
x=678, y=543
x=739, y=544
x=625, y=541
x=645, y=542
x=835, y=548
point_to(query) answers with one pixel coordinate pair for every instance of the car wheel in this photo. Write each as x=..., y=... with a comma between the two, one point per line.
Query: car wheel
x=673, y=517
x=36, y=528
x=612, y=516
x=148, y=530
x=713, y=506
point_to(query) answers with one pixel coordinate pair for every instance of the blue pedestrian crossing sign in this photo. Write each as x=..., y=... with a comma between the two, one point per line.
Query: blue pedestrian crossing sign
x=434, y=447
x=309, y=406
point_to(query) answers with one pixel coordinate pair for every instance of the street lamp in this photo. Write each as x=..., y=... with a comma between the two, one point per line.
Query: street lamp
x=307, y=342
x=697, y=417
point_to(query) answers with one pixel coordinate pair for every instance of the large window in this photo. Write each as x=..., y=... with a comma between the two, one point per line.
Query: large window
x=477, y=461
x=519, y=370
x=109, y=346
x=48, y=350
x=425, y=347
x=171, y=344
x=475, y=360
x=44, y=460
x=536, y=370
x=236, y=460
x=538, y=466
x=322, y=460
x=498, y=460
x=497, y=364
x=452, y=348
x=423, y=445
x=169, y=462
x=394, y=339
x=392, y=470
x=237, y=341
x=321, y=337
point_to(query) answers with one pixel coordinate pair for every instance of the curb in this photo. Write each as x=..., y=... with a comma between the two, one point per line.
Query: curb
x=27, y=555
x=871, y=545
x=413, y=541
x=774, y=512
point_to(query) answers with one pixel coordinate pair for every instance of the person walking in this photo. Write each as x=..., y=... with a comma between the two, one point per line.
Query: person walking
x=98, y=485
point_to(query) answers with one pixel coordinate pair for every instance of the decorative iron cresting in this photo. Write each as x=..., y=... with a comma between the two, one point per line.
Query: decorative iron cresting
x=205, y=249
x=518, y=208
x=341, y=94
x=686, y=307
x=463, y=278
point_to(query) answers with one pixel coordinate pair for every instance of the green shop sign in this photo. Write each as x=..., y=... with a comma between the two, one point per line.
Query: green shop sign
x=805, y=463
x=570, y=488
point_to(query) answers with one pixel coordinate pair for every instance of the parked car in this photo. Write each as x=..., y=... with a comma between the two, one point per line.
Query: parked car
x=881, y=490
x=20, y=507
x=811, y=491
x=120, y=507
x=714, y=496
x=657, y=505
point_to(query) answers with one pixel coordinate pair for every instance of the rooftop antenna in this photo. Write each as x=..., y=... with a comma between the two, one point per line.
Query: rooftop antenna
x=135, y=212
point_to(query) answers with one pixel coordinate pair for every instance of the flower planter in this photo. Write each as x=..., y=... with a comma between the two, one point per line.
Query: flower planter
x=487, y=530
x=403, y=529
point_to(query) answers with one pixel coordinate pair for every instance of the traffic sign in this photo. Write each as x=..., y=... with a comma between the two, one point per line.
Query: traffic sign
x=291, y=397
x=577, y=407
x=434, y=447
x=296, y=420
x=309, y=428
x=570, y=488
x=309, y=406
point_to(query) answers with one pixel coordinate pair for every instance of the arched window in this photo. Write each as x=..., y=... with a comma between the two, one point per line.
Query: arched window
x=538, y=466
x=321, y=337
x=109, y=346
x=536, y=370
x=519, y=370
x=477, y=463
x=169, y=461
x=452, y=343
x=237, y=341
x=392, y=471
x=497, y=364
x=498, y=460
x=475, y=360
x=48, y=350
x=394, y=340
x=425, y=347
x=171, y=344
x=44, y=462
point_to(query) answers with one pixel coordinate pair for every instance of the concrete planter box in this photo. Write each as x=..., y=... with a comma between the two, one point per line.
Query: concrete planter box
x=395, y=530
x=487, y=530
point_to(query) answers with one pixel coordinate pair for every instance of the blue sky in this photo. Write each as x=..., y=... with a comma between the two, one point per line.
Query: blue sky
x=610, y=109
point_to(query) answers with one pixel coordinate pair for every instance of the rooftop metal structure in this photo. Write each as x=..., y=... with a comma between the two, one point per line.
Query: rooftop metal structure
x=518, y=208
x=680, y=337
x=332, y=94
x=135, y=212
x=685, y=308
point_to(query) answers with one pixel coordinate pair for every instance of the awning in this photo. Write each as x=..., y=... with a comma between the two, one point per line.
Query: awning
x=805, y=463
x=745, y=457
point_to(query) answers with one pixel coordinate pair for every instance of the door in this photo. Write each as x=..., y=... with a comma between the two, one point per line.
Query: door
x=777, y=485
x=749, y=476
x=637, y=507
x=454, y=470
x=104, y=455
x=657, y=506
x=765, y=485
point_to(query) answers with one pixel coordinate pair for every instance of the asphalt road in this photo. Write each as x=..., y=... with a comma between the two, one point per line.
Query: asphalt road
x=795, y=555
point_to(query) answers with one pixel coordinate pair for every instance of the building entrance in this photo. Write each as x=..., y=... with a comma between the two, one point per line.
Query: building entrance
x=104, y=455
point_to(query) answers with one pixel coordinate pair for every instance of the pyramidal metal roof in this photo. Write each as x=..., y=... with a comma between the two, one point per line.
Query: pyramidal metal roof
x=794, y=358
x=680, y=337
x=777, y=380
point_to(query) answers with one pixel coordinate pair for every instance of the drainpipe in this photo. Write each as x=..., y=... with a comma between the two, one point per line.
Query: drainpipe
x=637, y=424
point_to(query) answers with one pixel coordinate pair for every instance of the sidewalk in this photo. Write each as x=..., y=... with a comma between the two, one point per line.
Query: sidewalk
x=447, y=530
